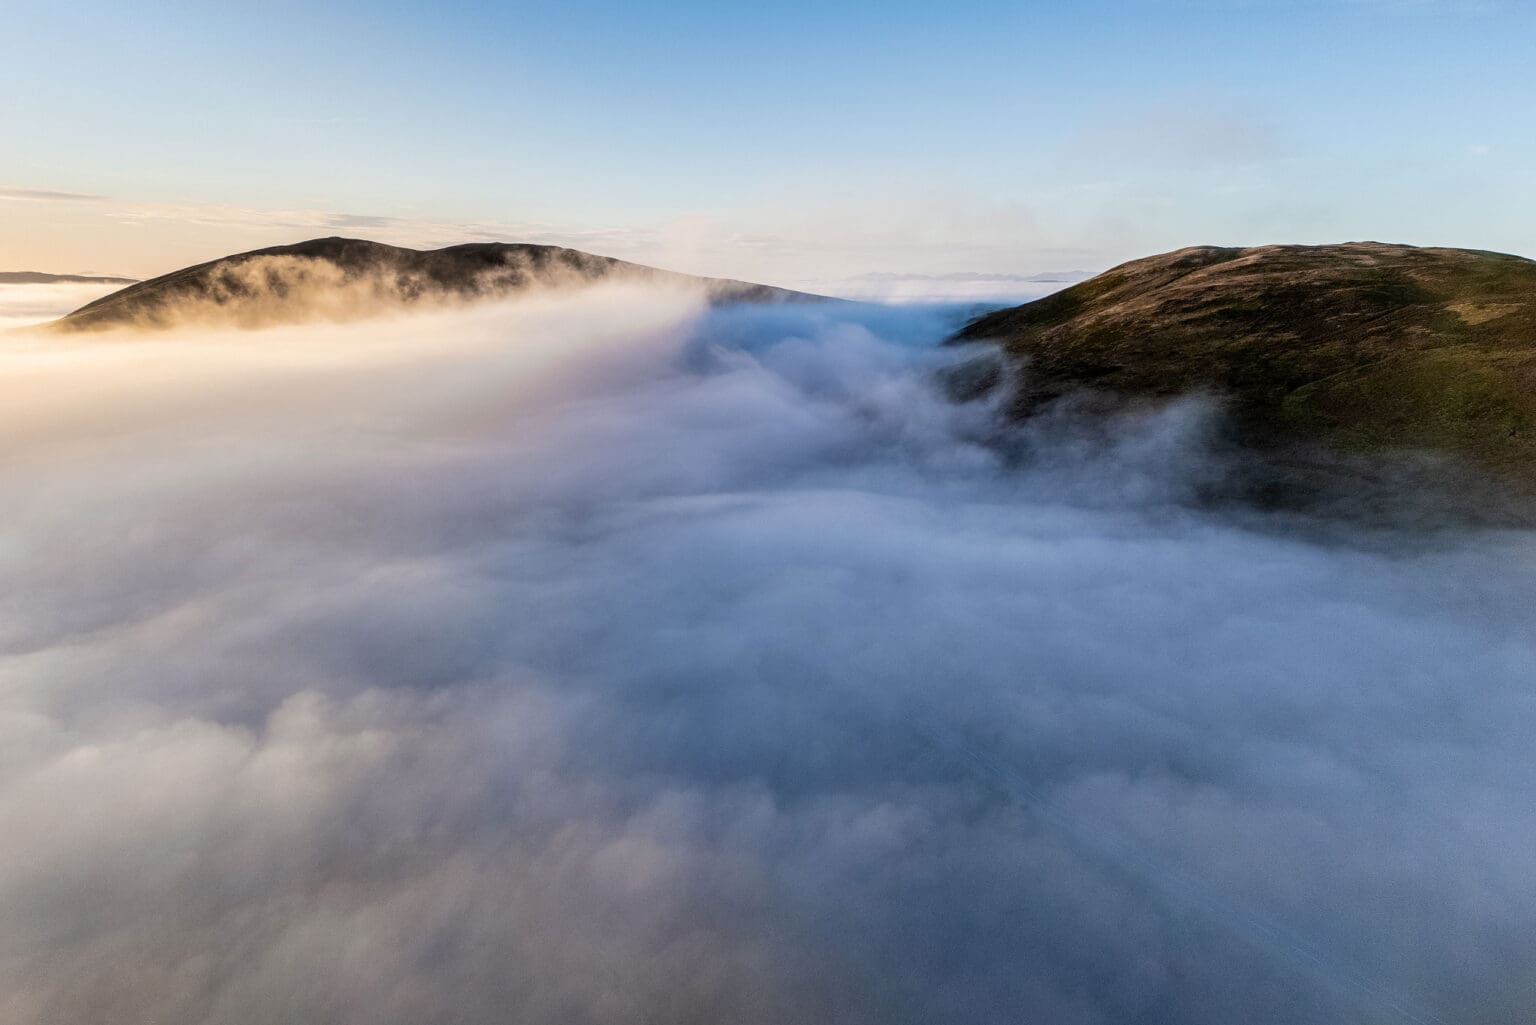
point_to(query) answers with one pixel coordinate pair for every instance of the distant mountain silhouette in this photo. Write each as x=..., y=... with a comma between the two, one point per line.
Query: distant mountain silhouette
x=32, y=277
x=344, y=278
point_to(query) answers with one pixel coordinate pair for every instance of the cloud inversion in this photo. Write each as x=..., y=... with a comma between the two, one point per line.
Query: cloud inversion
x=599, y=659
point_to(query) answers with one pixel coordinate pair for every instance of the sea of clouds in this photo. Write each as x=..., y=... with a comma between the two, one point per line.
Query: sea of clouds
x=603, y=658
x=23, y=305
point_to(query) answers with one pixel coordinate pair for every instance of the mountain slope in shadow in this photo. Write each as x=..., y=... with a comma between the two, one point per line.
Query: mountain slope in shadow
x=346, y=279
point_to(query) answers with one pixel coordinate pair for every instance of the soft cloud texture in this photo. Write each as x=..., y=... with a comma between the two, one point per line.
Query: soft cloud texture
x=25, y=304
x=958, y=286
x=597, y=658
x=46, y=196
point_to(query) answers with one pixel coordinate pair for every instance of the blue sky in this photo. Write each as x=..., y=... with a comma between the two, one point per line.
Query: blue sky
x=797, y=142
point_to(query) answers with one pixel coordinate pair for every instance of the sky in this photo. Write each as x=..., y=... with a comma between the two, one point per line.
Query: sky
x=844, y=146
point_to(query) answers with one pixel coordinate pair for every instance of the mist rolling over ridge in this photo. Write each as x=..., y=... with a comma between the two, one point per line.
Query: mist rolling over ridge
x=605, y=656
x=792, y=514
x=30, y=300
x=341, y=279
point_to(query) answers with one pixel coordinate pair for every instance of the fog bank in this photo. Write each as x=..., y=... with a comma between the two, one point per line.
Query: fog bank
x=601, y=658
x=22, y=305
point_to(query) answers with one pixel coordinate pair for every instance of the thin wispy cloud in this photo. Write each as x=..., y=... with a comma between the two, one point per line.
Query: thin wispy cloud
x=360, y=221
x=48, y=196
x=972, y=276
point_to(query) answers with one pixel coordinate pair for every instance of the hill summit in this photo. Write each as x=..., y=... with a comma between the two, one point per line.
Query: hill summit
x=1362, y=346
x=347, y=278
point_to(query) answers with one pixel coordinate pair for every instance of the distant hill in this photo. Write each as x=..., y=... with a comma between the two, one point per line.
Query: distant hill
x=956, y=286
x=344, y=278
x=32, y=277
x=1362, y=346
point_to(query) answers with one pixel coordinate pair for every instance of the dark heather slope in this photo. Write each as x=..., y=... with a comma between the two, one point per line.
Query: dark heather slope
x=1363, y=346
x=32, y=277
x=342, y=279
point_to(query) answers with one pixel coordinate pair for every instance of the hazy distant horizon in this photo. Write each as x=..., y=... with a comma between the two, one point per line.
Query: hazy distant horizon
x=883, y=286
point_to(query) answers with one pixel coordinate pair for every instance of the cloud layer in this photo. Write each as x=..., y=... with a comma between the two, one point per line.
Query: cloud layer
x=22, y=305
x=598, y=658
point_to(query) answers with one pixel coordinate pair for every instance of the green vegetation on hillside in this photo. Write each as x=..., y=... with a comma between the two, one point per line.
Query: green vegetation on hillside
x=1363, y=346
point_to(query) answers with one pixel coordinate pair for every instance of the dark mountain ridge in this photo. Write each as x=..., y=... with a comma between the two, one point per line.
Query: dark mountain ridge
x=32, y=277
x=344, y=278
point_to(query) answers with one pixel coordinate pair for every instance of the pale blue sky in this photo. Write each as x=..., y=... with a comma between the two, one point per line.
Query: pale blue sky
x=796, y=142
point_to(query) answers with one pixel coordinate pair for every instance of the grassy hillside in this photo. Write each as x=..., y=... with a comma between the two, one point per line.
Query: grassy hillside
x=1363, y=346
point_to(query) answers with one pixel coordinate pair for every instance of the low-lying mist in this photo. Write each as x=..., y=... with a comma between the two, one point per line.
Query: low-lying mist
x=604, y=658
x=25, y=305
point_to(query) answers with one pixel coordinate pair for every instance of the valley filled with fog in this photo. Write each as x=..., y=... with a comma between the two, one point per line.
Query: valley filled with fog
x=602, y=657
